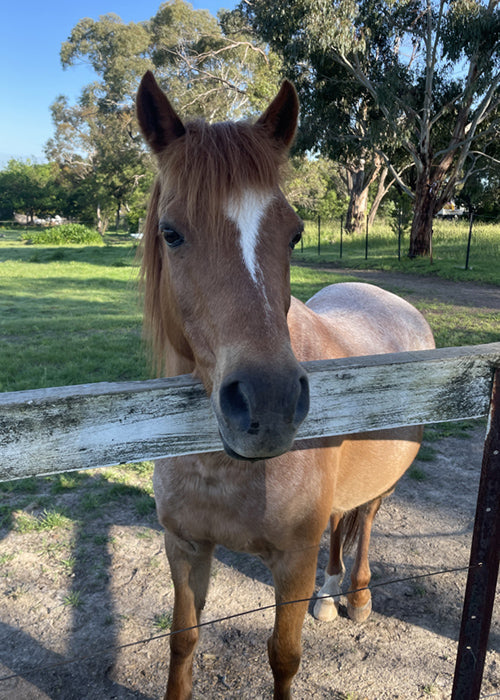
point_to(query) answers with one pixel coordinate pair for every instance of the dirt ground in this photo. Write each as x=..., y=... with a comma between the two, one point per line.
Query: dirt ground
x=106, y=584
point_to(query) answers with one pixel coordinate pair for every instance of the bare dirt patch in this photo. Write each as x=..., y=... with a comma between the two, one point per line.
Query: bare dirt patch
x=83, y=588
x=483, y=296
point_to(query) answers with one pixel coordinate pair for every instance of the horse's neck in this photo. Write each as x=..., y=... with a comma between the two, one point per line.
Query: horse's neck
x=311, y=336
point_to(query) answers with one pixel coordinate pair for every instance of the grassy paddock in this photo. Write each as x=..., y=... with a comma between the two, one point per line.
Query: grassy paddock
x=449, y=250
x=68, y=315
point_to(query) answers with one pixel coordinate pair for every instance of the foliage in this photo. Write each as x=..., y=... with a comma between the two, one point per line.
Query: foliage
x=209, y=69
x=414, y=83
x=29, y=188
x=63, y=235
x=314, y=186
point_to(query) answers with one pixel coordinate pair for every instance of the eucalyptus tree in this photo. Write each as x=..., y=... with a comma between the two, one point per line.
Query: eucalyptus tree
x=423, y=75
x=339, y=117
x=207, y=71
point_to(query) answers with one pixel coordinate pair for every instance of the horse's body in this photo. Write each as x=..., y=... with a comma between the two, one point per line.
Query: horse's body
x=218, y=305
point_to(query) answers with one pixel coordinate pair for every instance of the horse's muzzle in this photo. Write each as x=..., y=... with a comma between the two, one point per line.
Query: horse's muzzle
x=260, y=411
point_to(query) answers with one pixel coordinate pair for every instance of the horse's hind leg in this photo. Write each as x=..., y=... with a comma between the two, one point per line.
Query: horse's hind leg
x=190, y=569
x=359, y=603
x=326, y=609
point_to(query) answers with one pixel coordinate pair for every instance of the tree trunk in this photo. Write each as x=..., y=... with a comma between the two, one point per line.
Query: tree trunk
x=99, y=219
x=358, y=199
x=382, y=190
x=117, y=220
x=423, y=214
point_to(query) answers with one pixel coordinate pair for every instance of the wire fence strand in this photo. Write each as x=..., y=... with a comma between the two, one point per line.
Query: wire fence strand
x=111, y=650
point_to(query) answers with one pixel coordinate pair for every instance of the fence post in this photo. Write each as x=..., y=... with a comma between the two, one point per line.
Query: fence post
x=484, y=560
x=400, y=219
x=341, y=234
x=471, y=219
x=366, y=240
x=319, y=234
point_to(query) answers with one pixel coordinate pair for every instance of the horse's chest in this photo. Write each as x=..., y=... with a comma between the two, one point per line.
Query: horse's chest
x=199, y=500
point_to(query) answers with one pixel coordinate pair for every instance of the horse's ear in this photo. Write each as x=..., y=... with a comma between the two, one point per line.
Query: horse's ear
x=157, y=118
x=280, y=118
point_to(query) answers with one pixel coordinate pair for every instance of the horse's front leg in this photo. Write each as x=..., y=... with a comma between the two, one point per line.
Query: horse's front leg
x=190, y=569
x=294, y=577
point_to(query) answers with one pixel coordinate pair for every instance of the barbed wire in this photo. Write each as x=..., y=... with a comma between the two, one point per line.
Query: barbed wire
x=107, y=651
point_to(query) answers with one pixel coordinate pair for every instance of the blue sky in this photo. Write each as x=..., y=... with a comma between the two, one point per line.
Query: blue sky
x=31, y=76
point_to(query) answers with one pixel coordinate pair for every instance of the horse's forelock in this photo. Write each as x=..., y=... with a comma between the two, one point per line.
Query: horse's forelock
x=213, y=164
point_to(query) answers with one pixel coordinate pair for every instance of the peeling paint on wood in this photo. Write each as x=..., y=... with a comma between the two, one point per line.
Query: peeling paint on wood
x=95, y=425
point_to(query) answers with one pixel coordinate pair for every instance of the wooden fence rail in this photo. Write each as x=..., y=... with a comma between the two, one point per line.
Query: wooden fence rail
x=95, y=425
x=46, y=431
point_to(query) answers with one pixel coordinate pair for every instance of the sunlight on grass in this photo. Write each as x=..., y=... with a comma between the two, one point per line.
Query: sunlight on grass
x=69, y=320
x=49, y=519
x=72, y=315
x=449, y=250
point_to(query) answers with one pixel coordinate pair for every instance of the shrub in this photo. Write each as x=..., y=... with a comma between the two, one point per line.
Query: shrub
x=63, y=235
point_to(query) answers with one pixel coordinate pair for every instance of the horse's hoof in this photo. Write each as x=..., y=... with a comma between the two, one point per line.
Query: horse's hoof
x=359, y=614
x=326, y=609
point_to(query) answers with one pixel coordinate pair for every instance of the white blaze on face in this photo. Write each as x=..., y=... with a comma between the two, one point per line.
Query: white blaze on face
x=247, y=213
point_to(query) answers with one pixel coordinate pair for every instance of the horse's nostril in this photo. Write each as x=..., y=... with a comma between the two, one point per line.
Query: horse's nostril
x=235, y=405
x=302, y=406
x=260, y=411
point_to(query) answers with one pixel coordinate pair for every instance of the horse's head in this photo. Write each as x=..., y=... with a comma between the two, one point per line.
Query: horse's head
x=216, y=264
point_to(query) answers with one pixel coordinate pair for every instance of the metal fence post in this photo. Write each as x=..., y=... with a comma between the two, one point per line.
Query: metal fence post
x=341, y=234
x=483, y=571
x=471, y=219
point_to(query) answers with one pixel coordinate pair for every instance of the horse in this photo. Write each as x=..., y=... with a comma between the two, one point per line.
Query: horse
x=217, y=246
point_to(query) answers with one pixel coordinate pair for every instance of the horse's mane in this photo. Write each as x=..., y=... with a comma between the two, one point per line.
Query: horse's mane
x=203, y=169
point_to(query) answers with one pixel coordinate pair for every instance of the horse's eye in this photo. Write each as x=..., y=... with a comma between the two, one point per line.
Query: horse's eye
x=172, y=238
x=296, y=239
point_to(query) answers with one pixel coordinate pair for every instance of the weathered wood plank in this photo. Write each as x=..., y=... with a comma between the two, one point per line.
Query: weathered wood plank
x=77, y=427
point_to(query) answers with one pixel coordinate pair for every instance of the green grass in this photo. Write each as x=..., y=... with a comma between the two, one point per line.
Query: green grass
x=73, y=599
x=449, y=250
x=49, y=519
x=163, y=621
x=452, y=325
x=426, y=454
x=416, y=473
x=70, y=320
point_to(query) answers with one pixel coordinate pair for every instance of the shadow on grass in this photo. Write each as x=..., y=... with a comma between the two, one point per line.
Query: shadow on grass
x=83, y=503
x=114, y=256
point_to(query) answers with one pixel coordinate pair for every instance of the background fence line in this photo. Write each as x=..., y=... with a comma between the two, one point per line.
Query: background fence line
x=338, y=224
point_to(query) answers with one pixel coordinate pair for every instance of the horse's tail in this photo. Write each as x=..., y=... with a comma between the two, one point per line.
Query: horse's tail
x=351, y=523
x=353, y=520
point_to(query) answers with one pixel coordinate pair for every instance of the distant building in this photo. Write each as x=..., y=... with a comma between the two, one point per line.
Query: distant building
x=450, y=209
